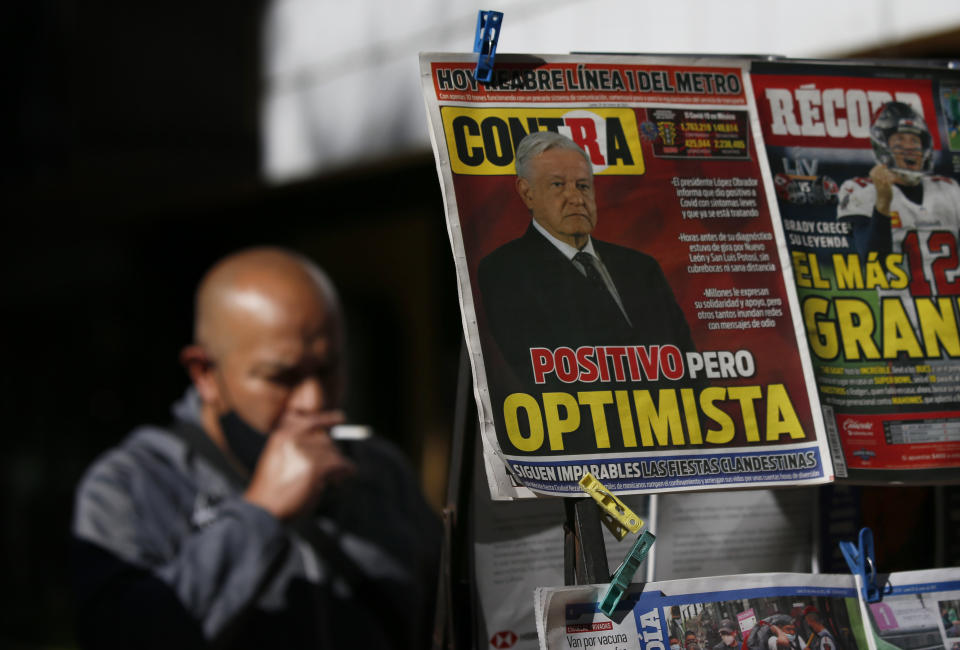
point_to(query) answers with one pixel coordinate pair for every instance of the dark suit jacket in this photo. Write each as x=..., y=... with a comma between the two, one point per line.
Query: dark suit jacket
x=533, y=296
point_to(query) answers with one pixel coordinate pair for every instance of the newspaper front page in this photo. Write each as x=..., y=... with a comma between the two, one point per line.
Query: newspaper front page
x=865, y=163
x=626, y=297
x=742, y=612
x=776, y=611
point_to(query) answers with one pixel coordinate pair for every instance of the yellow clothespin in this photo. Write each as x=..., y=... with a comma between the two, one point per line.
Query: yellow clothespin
x=616, y=515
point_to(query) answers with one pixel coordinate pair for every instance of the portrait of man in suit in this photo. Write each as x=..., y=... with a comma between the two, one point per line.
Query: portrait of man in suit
x=556, y=285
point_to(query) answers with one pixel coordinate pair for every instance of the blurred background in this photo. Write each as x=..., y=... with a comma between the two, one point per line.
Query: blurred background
x=141, y=141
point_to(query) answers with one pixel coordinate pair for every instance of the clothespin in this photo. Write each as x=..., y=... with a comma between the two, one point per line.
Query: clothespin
x=485, y=43
x=623, y=576
x=861, y=559
x=616, y=516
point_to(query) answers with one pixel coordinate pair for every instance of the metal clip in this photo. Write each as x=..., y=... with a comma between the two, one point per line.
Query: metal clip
x=485, y=43
x=616, y=516
x=623, y=576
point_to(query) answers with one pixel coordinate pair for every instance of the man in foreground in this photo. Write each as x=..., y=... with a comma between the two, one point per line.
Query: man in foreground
x=245, y=524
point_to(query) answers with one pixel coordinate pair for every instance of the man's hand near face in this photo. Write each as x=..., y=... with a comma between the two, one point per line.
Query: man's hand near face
x=299, y=462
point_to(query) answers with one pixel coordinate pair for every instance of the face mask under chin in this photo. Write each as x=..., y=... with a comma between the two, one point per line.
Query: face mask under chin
x=245, y=442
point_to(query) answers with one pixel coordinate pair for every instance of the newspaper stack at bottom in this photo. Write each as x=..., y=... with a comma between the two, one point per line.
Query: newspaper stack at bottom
x=773, y=611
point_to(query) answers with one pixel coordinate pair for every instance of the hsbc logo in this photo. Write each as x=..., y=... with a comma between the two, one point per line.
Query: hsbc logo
x=504, y=639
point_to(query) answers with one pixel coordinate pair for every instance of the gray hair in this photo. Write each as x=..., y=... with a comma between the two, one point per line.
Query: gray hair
x=535, y=143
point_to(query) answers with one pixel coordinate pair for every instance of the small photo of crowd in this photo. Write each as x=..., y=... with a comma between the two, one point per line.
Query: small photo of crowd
x=771, y=623
x=951, y=620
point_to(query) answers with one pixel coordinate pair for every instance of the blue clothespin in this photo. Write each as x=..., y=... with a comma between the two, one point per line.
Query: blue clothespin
x=624, y=574
x=485, y=43
x=862, y=560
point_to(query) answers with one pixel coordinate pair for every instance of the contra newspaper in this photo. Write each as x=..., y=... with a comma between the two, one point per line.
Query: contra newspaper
x=672, y=357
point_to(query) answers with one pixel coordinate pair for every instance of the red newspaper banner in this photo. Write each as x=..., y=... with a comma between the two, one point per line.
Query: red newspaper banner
x=539, y=81
x=833, y=111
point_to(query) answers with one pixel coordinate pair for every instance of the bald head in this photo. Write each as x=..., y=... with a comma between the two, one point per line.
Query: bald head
x=268, y=341
x=261, y=286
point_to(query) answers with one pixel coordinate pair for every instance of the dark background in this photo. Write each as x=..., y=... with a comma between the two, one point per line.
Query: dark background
x=129, y=162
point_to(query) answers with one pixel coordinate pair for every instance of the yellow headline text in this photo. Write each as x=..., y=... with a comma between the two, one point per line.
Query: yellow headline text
x=849, y=328
x=645, y=418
